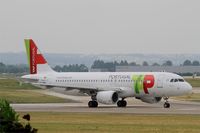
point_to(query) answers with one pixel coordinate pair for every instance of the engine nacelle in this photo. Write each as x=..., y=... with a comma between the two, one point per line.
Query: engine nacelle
x=107, y=97
x=150, y=99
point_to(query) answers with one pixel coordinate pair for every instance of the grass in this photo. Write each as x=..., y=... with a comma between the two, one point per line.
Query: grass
x=23, y=96
x=194, y=97
x=194, y=82
x=13, y=84
x=14, y=92
x=114, y=123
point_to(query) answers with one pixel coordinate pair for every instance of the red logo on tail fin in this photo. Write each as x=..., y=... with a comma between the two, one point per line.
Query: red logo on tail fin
x=35, y=58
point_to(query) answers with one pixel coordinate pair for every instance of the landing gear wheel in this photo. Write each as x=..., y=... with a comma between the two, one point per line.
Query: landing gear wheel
x=121, y=103
x=92, y=104
x=166, y=105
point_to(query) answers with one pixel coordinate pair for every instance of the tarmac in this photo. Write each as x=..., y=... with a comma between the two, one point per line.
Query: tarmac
x=133, y=106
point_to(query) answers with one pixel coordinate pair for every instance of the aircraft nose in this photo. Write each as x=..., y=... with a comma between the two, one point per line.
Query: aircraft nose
x=188, y=88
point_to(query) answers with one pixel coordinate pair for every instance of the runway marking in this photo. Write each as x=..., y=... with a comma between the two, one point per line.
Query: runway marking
x=189, y=109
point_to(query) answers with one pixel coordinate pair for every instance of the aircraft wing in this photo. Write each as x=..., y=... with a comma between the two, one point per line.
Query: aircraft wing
x=85, y=89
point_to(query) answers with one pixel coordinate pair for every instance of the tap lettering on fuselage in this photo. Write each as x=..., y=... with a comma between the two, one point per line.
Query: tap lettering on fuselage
x=143, y=82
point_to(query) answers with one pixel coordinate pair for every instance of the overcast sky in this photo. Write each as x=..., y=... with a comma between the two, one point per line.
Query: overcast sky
x=103, y=26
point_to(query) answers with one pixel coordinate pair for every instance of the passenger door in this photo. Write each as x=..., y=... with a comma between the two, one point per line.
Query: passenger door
x=160, y=81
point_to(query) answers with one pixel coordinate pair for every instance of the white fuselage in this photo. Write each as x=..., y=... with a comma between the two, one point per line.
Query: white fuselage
x=128, y=84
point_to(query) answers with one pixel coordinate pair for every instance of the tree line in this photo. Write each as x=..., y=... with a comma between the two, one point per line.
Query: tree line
x=71, y=68
x=97, y=64
x=25, y=69
x=13, y=68
x=111, y=66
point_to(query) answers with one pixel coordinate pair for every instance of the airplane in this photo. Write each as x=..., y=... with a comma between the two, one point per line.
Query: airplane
x=106, y=87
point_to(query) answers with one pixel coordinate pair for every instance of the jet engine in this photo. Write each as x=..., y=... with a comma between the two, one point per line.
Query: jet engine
x=107, y=97
x=150, y=99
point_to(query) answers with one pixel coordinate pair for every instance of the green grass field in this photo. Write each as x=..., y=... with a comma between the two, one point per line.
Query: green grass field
x=194, y=97
x=114, y=123
x=194, y=82
x=13, y=84
x=11, y=90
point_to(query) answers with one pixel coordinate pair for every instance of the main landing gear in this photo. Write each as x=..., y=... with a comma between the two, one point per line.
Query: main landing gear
x=166, y=104
x=121, y=103
x=93, y=103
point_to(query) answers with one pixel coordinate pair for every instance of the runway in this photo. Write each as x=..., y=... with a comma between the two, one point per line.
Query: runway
x=177, y=107
x=134, y=106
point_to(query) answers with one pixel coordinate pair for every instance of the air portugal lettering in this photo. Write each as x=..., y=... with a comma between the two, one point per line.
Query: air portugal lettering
x=143, y=82
x=35, y=58
x=33, y=52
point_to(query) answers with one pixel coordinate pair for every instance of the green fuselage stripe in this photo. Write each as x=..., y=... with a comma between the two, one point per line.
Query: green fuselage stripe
x=138, y=83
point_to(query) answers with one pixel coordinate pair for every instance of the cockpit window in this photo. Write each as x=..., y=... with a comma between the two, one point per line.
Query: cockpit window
x=181, y=80
x=177, y=80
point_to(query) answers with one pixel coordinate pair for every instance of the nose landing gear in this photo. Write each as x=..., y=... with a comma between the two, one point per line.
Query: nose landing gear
x=166, y=104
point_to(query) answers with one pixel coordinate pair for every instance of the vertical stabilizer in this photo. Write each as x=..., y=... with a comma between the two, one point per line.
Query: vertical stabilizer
x=36, y=61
